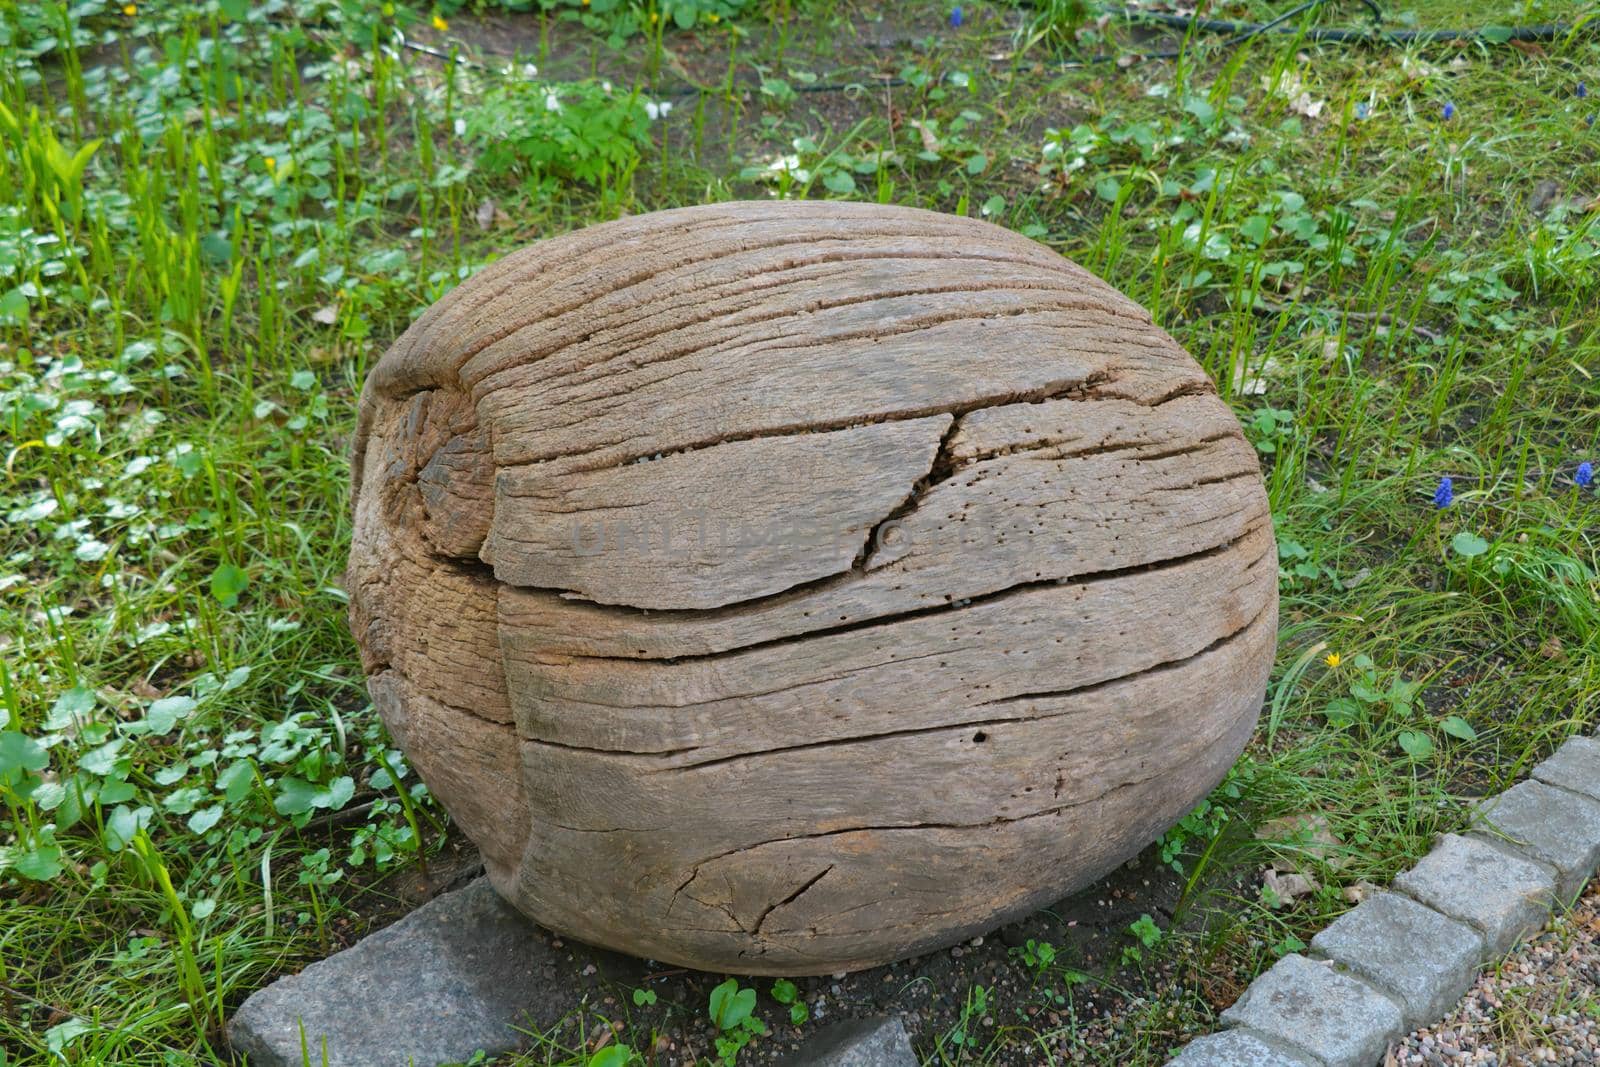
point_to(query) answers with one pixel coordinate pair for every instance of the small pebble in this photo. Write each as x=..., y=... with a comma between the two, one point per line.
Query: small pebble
x=1542, y=1005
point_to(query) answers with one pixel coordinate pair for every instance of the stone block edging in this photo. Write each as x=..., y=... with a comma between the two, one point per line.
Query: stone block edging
x=1403, y=958
x=459, y=975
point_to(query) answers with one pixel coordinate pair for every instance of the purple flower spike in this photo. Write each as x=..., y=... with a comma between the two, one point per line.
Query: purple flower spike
x=1583, y=90
x=955, y=18
x=1449, y=112
x=1443, y=495
x=1585, y=474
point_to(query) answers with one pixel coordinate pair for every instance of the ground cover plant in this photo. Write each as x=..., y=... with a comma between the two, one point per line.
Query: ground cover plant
x=213, y=217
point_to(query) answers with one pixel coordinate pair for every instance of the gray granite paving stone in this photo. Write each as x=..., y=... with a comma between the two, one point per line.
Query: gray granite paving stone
x=1340, y=1020
x=447, y=980
x=878, y=1041
x=1238, y=1048
x=1424, y=961
x=1502, y=897
x=1547, y=824
x=1394, y=964
x=1575, y=766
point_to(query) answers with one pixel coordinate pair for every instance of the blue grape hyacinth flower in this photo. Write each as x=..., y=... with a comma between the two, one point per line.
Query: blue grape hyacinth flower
x=1446, y=492
x=1449, y=112
x=1585, y=474
x=955, y=18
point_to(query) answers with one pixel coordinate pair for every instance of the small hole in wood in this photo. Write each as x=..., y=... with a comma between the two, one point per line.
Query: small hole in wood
x=980, y=737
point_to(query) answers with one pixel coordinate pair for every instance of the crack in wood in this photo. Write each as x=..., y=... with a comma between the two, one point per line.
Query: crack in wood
x=1082, y=388
x=1084, y=578
x=598, y=369
x=961, y=726
x=766, y=912
x=518, y=278
x=1082, y=690
x=999, y=820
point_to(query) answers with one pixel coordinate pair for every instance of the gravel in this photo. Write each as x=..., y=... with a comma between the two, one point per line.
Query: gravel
x=1542, y=1005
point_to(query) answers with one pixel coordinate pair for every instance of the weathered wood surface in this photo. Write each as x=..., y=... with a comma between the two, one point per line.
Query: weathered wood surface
x=791, y=587
x=716, y=525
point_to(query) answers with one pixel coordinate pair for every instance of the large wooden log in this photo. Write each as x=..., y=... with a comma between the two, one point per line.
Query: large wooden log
x=787, y=588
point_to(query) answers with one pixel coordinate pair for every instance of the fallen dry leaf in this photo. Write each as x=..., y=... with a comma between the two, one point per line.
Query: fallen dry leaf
x=489, y=215
x=1355, y=894
x=1284, y=887
x=929, y=141
x=1306, y=106
x=1246, y=383
x=1310, y=833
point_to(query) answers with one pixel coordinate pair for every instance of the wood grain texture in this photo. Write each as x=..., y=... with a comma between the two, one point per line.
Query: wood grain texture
x=718, y=525
x=791, y=587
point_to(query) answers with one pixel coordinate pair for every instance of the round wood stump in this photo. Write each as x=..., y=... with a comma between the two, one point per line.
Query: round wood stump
x=787, y=588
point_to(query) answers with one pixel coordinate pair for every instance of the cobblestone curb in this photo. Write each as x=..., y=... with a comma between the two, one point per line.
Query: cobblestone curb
x=451, y=978
x=1402, y=959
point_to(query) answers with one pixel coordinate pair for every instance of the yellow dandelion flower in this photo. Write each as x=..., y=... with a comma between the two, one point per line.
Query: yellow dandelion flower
x=1333, y=659
x=130, y=10
x=440, y=24
x=271, y=162
x=712, y=16
x=654, y=18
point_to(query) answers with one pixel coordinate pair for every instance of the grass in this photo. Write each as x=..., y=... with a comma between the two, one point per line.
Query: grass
x=214, y=217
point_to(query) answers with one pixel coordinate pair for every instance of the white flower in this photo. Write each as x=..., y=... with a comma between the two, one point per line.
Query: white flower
x=657, y=110
x=552, y=102
x=529, y=70
x=781, y=165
